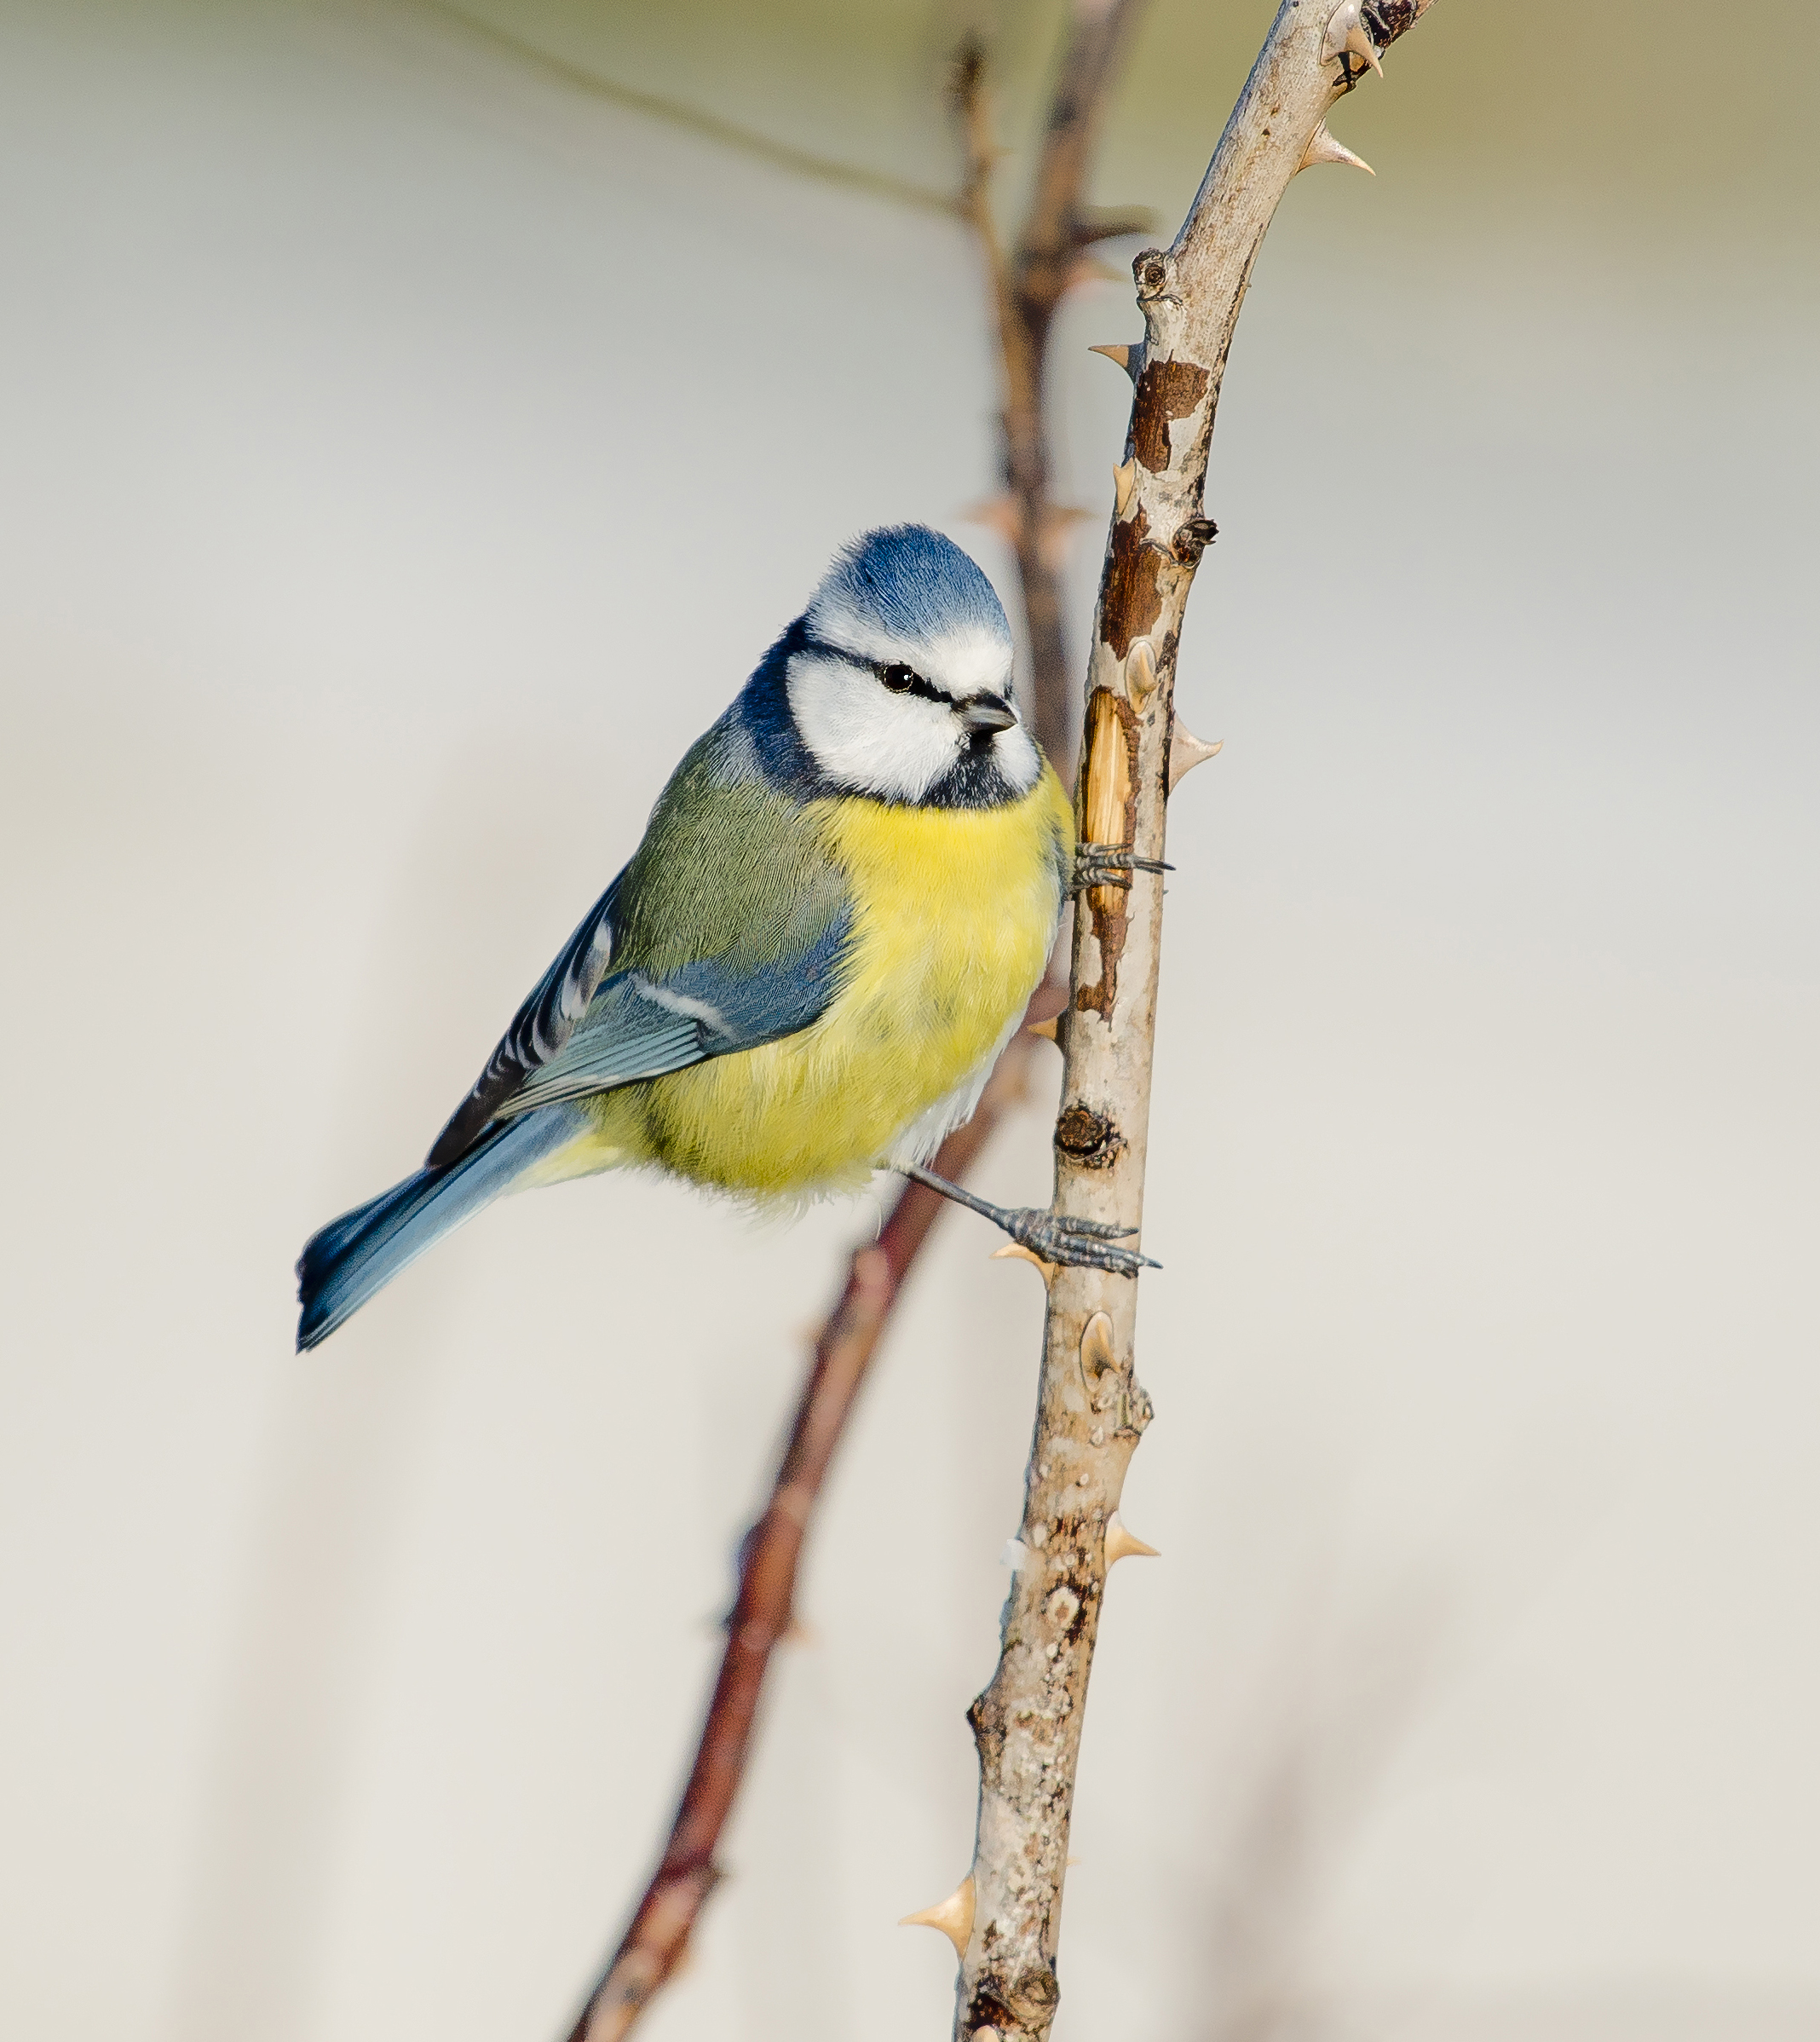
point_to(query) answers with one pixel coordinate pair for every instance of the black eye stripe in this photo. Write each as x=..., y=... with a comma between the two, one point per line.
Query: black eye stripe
x=915, y=685
x=905, y=680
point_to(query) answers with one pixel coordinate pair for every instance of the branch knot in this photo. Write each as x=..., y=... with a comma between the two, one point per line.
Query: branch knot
x=1155, y=271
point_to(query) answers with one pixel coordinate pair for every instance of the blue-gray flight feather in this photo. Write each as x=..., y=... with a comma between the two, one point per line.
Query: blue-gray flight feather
x=352, y=1257
x=729, y=927
x=540, y=1029
x=642, y=1027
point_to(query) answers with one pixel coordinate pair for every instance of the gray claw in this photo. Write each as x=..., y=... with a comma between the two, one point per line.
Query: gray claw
x=1099, y=1230
x=1076, y=1244
x=1109, y=865
x=1119, y=1260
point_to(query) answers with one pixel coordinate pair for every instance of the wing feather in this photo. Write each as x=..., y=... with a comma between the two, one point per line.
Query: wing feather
x=641, y=1027
x=626, y=1037
x=728, y=929
x=540, y=1029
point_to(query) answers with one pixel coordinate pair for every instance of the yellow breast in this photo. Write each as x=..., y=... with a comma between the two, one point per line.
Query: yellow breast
x=955, y=914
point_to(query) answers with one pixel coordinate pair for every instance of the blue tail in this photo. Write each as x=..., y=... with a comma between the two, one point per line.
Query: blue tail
x=352, y=1257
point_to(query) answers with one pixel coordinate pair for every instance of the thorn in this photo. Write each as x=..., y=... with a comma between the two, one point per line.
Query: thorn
x=1121, y=1544
x=1000, y=514
x=1072, y=1863
x=1322, y=148
x=1129, y=355
x=1015, y=1251
x=1053, y=1030
x=797, y=1632
x=953, y=1917
x=1095, y=1346
x=1140, y=670
x=1346, y=36
x=1186, y=752
x=1124, y=482
x=1014, y=1554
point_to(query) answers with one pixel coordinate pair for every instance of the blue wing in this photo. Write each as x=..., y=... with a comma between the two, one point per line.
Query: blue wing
x=726, y=867
x=540, y=1029
x=641, y=1027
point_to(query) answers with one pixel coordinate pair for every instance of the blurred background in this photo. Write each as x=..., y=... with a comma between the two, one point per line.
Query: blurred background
x=417, y=419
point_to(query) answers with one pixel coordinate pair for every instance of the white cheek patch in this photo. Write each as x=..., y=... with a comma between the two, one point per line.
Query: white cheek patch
x=1014, y=752
x=863, y=736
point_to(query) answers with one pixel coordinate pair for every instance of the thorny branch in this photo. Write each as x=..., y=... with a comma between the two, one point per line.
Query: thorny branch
x=1005, y=1918
x=693, y=121
x=1026, y=292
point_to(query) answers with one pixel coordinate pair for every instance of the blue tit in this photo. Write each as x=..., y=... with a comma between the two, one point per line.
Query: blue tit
x=842, y=903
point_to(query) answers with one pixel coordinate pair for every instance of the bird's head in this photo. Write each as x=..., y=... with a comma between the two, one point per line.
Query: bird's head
x=900, y=677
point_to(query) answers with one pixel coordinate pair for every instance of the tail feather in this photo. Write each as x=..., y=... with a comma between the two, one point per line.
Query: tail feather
x=349, y=1260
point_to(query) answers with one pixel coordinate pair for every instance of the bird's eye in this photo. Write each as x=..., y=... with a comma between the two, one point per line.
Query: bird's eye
x=898, y=678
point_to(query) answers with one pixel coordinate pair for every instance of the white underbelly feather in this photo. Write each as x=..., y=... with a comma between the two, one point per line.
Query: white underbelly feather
x=920, y=1139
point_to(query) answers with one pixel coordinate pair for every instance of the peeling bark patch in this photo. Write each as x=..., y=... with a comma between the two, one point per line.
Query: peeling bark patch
x=1076, y=1610
x=1166, y=391
x=1088, y=1138
x=1130, y=600
x=987, y=2010
x=1022, y=2004
x=1109, y=814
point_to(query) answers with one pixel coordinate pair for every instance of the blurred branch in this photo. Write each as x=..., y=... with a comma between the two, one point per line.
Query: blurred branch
x=1345, y=1697
x=710, y=127
x=1026, y=287
x=1005, y=1918
x=1026, y=292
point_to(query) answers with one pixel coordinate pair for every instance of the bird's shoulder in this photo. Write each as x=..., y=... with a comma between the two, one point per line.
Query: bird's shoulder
x=731, y=863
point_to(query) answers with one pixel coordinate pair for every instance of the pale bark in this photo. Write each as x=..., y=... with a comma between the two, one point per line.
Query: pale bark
x=1092, y=1411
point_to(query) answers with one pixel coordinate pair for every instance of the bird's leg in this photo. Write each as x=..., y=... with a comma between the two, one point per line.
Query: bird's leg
x=1109, y=865
x=1056, y=1236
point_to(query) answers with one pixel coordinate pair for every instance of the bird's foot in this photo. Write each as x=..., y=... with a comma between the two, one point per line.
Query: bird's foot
x=1109, y=865
x=1056, y=1238
x=1074, y=1243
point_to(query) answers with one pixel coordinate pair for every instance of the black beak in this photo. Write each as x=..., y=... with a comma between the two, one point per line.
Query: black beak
x=985, y=713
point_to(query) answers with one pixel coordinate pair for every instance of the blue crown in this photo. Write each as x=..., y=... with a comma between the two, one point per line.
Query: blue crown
x=915, y=582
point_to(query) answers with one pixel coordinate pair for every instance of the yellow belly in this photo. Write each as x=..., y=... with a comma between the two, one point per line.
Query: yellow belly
x=955, y=914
